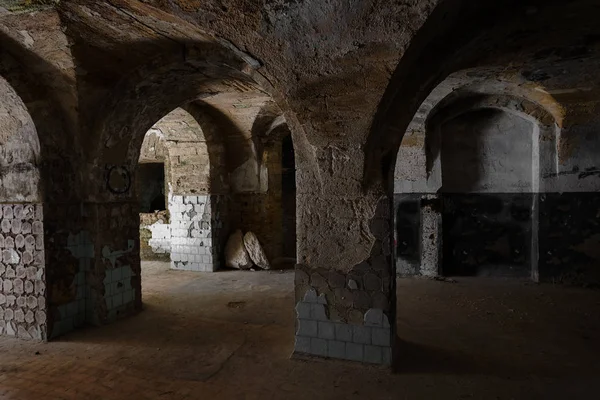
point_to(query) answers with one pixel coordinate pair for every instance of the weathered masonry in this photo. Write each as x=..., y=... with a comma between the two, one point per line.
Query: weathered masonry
x=360, y=140
x=486, y=184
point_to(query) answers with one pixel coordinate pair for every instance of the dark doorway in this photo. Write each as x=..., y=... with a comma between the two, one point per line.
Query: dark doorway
x=151, y=187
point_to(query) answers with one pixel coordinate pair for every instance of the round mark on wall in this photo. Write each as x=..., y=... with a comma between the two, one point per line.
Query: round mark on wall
x=118, y=180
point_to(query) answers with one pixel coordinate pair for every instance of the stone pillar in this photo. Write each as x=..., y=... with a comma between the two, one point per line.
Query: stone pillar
x=349, y=314
x=431, y=236
x=196, y=225
x=69, y=258
x=114, y=283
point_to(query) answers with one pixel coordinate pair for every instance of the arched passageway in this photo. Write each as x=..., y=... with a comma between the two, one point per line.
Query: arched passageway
x=552, y=88
x=468, y=179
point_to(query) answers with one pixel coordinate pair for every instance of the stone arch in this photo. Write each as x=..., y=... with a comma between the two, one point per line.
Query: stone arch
x=456, y=37
x=19, y=150
x=543, y=155
x=59, y=206
x=462, y=101
x=23, y=267
x=134, y=104
x=454, y=97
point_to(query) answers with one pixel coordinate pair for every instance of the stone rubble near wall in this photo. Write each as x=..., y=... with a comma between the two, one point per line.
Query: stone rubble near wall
x=236, y=255
x=196, y=222
x=317, y=335
x=23, y=311
x=255, y=251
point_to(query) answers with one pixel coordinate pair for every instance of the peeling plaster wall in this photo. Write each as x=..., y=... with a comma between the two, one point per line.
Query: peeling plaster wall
x=19, y=149
x=564, y=174
x=262, y=212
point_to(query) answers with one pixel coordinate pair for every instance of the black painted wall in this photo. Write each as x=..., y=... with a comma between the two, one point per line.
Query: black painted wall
x=487, y=234
x=569, y=235
x=407, y=212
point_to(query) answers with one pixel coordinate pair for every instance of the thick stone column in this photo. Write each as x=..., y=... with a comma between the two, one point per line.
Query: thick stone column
x=197, y=231
x=114, y=282
x=346, y=312
x=69, y=256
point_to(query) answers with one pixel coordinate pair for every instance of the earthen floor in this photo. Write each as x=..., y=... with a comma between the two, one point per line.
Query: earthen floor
x=229, y=335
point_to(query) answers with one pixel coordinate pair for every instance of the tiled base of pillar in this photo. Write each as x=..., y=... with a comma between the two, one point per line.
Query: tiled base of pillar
x=193, y=226
x=317, y=335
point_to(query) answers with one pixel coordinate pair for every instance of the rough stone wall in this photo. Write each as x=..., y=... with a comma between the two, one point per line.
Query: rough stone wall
x=19, y=149
x=196, y=168
x=23, y=295
x=262, y=213
x=178, y=140
x=288, y=198
x=407, y=233
x=350, y=300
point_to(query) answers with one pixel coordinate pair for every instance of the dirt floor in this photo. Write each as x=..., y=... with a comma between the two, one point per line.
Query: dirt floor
x=229, y=335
